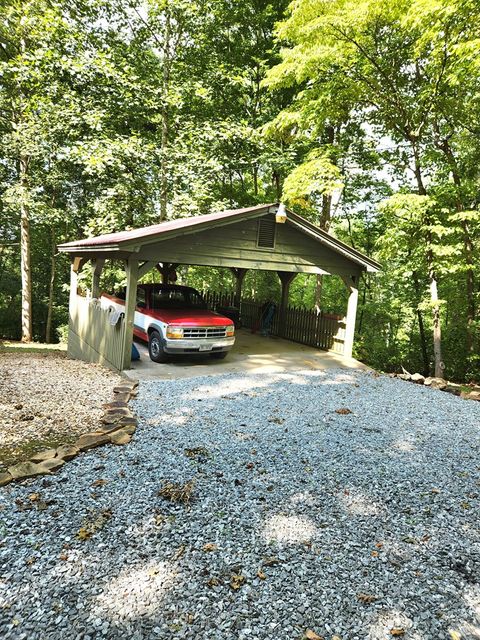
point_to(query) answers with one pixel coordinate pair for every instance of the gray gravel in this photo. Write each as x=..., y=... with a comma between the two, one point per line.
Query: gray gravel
x=302, y=509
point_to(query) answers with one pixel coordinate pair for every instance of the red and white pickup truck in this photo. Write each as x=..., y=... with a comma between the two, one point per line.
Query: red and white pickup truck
x=175, y=320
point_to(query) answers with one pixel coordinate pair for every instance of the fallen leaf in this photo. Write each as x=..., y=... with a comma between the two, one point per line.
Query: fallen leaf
x=249, y=465
x=210, y=546
x=366, y=598
x=236, y=581
x=179, y=553
x=84, y=534
x=343, y=412
x=465, y=505
x=398, y=631
x=99, y=483
x=213, y=582
x=311, y=635
x=454, y=635
x=261, y=575
x=379, y=545
x=374, y=554
x=34, y=497
x=270, y=562
x=63, y=556
x=30, y=561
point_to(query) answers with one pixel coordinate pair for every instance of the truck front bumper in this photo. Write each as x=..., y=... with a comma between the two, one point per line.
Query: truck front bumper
x=198, y=345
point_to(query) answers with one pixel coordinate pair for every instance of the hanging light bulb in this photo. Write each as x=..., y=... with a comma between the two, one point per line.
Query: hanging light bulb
x=281, y=215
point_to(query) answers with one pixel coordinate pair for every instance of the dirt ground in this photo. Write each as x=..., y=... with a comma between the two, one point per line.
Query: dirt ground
x=46, y=400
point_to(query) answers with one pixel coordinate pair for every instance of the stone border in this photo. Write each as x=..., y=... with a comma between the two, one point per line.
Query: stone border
x=441, y=384
x=118, y=424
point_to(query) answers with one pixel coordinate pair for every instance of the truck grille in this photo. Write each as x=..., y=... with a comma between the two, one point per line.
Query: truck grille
x=204, y=332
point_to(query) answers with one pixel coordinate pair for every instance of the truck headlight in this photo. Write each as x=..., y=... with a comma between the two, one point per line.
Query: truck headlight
x=174, y=333
x=230, y=330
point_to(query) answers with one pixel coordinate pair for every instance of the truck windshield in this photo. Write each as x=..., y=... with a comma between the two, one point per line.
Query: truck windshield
x=172, y=298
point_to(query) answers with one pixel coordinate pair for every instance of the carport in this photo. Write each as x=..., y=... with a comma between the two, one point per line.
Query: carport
x=264, y=237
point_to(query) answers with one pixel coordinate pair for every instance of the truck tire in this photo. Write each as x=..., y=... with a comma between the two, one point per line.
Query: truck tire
x=155, y=348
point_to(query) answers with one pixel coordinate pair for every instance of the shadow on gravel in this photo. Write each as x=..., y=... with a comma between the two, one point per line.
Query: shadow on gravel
x=350, y=524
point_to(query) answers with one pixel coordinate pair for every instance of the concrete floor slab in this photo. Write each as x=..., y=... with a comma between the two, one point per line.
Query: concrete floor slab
x=252, y=353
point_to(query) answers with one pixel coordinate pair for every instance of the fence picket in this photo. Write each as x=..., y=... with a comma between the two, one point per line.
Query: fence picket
x=320, y=330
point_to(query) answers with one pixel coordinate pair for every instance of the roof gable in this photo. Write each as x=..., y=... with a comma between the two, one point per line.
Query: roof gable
x=132, y=241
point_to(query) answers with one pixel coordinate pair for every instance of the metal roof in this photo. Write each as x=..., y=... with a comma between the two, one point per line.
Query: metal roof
x=125, y=240
x=164, y=227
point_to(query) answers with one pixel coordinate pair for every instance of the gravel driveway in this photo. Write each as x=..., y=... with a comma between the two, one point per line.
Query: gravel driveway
x=360, y=525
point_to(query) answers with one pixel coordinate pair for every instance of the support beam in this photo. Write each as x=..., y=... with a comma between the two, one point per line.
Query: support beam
x=352, y=286
x=131, y=269
x=146, y=267
x=97, y=266
x=76, y=265
x=286, y=278
x=239, y=274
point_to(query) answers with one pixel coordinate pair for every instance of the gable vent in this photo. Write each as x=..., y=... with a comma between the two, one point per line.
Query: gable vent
x=266, y=232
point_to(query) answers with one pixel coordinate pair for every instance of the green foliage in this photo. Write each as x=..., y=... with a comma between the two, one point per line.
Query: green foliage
x=362, y=115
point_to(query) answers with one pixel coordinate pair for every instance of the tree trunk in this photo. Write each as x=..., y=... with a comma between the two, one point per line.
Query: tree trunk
x=421, y=327
x=437, y=331
x=48, y=327
x=165, y=116
x=432, y=278
x=25, y=254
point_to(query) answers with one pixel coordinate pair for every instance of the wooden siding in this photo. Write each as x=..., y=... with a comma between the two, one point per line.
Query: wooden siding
x=236, y=245
x=92, y=337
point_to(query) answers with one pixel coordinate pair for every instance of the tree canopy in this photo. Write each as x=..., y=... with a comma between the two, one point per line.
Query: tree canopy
x=363, y=116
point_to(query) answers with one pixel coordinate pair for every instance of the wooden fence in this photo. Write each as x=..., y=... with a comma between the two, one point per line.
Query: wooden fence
x=321, y=330
x=92, y=336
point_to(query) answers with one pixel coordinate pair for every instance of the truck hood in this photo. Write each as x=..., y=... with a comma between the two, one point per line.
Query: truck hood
x=190, y=317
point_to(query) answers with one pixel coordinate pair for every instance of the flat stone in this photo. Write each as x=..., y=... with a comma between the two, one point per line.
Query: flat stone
x=404, y=376
x=91, y=440
x=122, y=397
x=123, y=388
x=470, y=395
x=111, y=418
x=67, y=451
x=26, y=470
x=127, y=420
x=418, y=378
x=44, y=455
x=435, y=383
x=51, y=465
x=129, y=428
x=120, y=437
x=119, y=411
x=109, y=428
x=115, y=404
x=5, y=478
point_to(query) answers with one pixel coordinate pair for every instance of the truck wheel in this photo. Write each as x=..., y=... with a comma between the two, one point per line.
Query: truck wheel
x=219, y=355
x=155, y=348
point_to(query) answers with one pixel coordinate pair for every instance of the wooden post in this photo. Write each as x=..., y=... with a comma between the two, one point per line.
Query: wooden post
x=130, y=301
x=286, y=278
x=75, y=266
x=239, y=277
x=351, y=284
x=97, y=266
